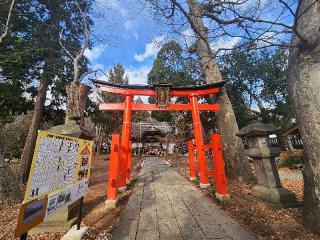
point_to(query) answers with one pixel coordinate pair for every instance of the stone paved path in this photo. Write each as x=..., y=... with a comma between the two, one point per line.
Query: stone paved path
x=294, y=176
x=164, y=205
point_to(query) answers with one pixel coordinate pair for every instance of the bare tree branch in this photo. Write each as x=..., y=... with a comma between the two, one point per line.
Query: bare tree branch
x=287, y=6
x=62, y=45
x=6, y=28
x=86, y=33
x=85, y=45
x=224, y=17
x=193, y=26
x=92, y=71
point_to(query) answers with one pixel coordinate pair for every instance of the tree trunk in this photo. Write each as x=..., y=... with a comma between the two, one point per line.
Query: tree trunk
x=27, y=154
x=98, y=148
x=237, y=165
x=304, y=76
x=72, y=112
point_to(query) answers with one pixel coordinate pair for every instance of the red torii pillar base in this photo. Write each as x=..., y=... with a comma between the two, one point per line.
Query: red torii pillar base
x=192, y=164
x=112, y=187
x=218, y=166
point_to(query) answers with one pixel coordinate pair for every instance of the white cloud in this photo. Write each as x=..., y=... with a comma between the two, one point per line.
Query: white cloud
x=188, y=36
x=225, y=43
x=95, y=52
x=124, y=12
x=136, y=35
x=128, y=24
x=151, y=49
x=252, y=4
x=112, y=4
x=138, y=75
x=94, y=95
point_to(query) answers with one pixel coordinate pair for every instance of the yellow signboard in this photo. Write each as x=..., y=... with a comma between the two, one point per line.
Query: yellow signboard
x=58, y=161
x=59, y=176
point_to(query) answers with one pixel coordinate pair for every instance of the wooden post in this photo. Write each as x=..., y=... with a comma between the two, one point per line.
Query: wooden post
x=201, y=157
x=80, y=213
x=192, y=164
x=24, y=236
x=218, y=166
x=112, y=190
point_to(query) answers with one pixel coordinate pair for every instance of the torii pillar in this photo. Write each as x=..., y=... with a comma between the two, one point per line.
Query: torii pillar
x=125, y=142
x=197, y=128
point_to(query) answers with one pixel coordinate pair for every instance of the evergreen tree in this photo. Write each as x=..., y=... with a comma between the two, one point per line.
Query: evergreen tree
x=139, y=116
x=172, y=66
x=256, y=81
x=31, y=56
x=109, y=122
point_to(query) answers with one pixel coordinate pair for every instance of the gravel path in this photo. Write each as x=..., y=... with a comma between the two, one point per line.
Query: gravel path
x=295, y=176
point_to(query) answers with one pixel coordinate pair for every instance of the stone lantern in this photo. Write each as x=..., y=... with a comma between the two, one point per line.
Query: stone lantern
x=259, y=148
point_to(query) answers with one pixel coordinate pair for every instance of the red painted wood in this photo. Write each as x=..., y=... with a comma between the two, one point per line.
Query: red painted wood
x=153, y=107
x=112, y=189
x=125, y=138
x=201, y=157
x=194, y=92
x=192, y=164
x=130, y=92
x=129, y=163
x=218, y=165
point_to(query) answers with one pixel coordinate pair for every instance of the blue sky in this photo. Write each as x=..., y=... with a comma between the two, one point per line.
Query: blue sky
x=132, y=38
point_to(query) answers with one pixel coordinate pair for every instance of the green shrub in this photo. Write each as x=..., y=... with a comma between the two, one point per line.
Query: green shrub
x=13, y=136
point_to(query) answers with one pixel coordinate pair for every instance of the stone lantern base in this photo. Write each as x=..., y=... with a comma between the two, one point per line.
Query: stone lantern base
x=274, y=197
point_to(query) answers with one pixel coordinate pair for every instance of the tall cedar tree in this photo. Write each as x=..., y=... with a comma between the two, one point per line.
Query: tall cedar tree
x=109, y=122
x=44, y=19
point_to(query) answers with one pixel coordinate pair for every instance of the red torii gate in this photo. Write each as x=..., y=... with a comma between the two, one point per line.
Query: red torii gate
x=163, y=94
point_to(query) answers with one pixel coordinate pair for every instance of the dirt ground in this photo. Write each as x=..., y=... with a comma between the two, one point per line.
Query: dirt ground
x=263, y=222
x=94, y=214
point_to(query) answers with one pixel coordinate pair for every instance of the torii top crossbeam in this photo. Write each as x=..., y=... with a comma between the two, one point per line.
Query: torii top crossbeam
x=163, y=94
x=153, y=90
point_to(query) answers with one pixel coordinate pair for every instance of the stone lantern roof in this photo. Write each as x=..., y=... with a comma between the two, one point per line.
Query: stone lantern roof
x=257, y=128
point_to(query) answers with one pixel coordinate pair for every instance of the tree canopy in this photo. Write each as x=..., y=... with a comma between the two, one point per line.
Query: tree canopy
x=172, y=66
x=257, y=82
x=31, y=52
x=108, y=122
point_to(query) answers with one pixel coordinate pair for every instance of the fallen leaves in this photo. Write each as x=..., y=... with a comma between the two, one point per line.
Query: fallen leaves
x=100, y=221
x=264, y=222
